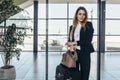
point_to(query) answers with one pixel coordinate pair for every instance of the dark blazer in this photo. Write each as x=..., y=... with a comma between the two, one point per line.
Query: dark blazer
x=86, y=35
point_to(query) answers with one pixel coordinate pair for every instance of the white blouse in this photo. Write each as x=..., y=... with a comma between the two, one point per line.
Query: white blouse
x=77, y=34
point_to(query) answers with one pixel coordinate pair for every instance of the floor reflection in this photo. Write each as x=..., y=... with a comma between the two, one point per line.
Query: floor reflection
x=29, y=68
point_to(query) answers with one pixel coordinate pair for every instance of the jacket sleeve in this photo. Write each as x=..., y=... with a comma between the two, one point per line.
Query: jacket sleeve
x=79, y=43
x=89, y=35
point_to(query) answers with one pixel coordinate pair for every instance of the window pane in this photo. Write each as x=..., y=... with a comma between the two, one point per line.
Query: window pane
x=41, y=26
x=55, y=43
x=30, y=11
x=42, y=11
x=57, y=10
x=28, y=44
x=57, y=27
x=41, y=43
x=112, y=11
x=112, y=27
x=112, y=43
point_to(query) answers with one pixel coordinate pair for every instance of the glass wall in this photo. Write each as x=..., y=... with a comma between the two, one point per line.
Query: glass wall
x=58, y=26
x=112, y=43
x=112, y=27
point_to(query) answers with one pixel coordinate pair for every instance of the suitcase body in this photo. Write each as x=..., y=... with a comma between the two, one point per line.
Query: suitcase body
x=65, y=73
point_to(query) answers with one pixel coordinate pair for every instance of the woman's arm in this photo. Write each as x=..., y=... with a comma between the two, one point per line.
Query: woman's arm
x=89, y=36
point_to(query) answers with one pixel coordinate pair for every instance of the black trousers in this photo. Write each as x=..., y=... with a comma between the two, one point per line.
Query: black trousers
x=83, y=64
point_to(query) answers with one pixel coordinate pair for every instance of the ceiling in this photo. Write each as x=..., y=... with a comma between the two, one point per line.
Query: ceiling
x=25, y=3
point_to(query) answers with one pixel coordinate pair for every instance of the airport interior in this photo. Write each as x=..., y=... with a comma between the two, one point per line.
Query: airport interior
x=38, y=30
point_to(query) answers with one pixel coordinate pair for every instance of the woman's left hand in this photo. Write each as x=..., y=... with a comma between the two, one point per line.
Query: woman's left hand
x=72, y=48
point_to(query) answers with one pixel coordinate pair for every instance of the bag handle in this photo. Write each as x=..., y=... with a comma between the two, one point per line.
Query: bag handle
x=73, y=54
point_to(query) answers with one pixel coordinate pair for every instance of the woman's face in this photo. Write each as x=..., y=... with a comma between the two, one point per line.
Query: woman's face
x=81, y=15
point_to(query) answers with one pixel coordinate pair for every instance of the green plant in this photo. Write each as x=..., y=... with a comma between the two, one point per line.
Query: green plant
x=12, y=38
x=8, y=9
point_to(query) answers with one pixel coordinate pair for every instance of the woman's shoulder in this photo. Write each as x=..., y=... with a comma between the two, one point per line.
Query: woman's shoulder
x=89, y=23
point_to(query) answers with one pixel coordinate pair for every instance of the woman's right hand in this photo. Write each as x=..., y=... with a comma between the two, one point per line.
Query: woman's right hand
x=70, y=44
x=67, y=43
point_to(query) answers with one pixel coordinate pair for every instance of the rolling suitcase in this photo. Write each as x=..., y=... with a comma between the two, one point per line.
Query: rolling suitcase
x=62, y=73
x=65, y=73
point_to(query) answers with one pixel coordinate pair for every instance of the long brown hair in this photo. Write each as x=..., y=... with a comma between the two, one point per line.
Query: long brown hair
x=75, y=20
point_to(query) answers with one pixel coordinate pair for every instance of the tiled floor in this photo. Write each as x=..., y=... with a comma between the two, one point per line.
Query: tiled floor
x=27, y=68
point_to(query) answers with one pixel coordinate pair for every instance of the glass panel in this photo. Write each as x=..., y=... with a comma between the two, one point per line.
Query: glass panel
x=57, y=26
x=57, y=11
x=28, y=44
x=110, y=65
x=112, y=27
x=55, y=43
x=30, y=11
x=42, y=11
x=112, y=43
x=41, y=26
x=58, y=42
x=94, y=42
x=93, y=68
x=41, y=43
x=112, y=10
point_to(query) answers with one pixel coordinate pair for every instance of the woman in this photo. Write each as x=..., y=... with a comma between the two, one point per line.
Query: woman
x=80, y=38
